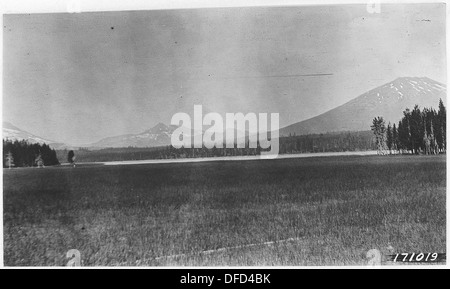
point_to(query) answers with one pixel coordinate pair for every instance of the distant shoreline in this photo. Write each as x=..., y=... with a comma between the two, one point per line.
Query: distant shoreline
x=233, y=158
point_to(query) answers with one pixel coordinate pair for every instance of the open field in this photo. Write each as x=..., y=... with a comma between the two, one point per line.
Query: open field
x=331, y=211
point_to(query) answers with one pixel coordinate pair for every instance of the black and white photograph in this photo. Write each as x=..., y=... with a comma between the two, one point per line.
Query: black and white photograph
x=282, y=135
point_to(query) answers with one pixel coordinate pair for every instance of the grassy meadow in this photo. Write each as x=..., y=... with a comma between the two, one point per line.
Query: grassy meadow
x=336, y=208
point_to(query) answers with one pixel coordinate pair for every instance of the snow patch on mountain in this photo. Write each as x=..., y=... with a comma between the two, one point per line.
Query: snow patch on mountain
x=388, y=100
x=13, y=133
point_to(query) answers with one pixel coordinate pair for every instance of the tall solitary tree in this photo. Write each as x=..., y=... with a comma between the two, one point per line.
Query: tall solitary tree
x=379, y=129
x=394, y=138
x=442, y=124
x=71, y=158
x=389, y=138
x=9, y=160
x=39, y=161
x=416, y=129
x=404, y=132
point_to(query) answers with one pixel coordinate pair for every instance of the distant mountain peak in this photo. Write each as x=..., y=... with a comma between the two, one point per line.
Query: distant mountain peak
x=416, y=81
x=388, y=100
x=159, y=135
x=160, y=127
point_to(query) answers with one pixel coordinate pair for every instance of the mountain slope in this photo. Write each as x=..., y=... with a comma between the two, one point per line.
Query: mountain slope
x=159, y=135
x=388, y=101
x=14, y=133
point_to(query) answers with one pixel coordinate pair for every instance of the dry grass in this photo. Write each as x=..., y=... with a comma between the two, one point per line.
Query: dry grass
x=338, y=207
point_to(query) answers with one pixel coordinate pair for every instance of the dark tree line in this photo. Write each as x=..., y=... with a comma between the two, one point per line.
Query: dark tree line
x=419, y=131
x=165, y=152
x=204, y=152
x=25, y=154
x=330, y=142
x=337, y=142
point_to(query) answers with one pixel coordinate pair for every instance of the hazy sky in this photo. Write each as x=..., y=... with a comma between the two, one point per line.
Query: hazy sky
x=77, y=78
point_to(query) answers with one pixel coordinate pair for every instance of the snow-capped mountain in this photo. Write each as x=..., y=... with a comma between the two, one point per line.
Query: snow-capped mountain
x=159, y=135
x=14, y=133
x=388, y=101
